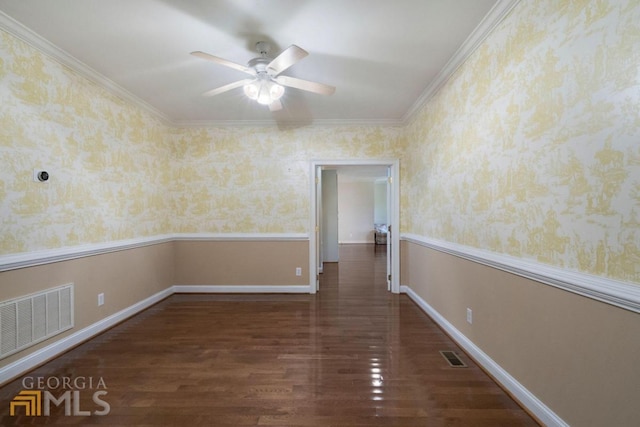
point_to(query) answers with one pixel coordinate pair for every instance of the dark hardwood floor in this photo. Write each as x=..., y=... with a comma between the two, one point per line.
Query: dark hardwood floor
x=352, y=355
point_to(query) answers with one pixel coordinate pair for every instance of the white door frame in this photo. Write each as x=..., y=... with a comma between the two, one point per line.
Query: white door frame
x=394, y=166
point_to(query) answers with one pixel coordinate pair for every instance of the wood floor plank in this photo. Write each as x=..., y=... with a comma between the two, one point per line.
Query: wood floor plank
x=352, y=355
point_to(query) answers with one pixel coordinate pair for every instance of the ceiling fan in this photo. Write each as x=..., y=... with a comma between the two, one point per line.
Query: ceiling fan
x=267, y=84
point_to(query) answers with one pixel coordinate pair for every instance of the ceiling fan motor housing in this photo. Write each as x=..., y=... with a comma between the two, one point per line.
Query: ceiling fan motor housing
x=259, y=64
x=263, y=48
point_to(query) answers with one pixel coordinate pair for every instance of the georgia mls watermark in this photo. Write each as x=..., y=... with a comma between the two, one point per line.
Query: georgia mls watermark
x=40, y=393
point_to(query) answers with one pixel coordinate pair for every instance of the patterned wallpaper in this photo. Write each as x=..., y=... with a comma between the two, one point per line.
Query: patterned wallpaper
x=107, y=160
x=247, y=180
x=118, y=173
x=532, y=148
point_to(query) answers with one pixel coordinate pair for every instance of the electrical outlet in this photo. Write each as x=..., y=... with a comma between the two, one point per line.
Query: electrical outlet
x=469, y=315
x=100, y=299
x=298, y=271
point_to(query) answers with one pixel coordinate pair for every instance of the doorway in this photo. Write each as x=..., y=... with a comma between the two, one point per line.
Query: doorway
x=391, y=167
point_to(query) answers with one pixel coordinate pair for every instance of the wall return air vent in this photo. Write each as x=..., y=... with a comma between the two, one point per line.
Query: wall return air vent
x=28, y=320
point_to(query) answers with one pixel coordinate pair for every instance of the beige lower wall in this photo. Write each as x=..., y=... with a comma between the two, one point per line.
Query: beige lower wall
x=237, y=263
x=130, y=276
x=125, y=277
x=577, y=355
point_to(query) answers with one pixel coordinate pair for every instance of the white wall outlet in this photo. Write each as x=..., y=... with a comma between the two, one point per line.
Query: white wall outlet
x=469, y=315
x=100, y=299
x=298, y=271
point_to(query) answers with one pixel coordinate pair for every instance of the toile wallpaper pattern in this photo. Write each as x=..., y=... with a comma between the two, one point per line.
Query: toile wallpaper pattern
x=256, y=180
x=105, y=158
x=531, y=149
x=118, y=173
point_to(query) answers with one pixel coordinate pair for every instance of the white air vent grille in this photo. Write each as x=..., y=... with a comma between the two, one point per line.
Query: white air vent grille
x=31, y=319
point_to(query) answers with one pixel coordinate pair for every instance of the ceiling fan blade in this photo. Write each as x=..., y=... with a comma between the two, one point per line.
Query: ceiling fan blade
x=286, y=59
x=315, y=87
x=275, y=105
x=224, y=62
x=226, y=88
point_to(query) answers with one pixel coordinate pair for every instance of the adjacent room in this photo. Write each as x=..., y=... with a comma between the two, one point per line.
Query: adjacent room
x=354, y=213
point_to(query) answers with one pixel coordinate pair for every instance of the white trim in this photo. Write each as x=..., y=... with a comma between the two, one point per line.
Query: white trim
x=621, y=294
x=286, y=125
x=524, y=396
x=38, y=357
x=495, y=16
x=241, y=289
x=31, y=361
x=246, y=237
x=31, y=259
x=479, y=34
x=25, y=34
x=394, y=166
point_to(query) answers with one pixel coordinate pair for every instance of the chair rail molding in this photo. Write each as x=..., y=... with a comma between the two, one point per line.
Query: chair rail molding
x=621, y=294
x=47, y=256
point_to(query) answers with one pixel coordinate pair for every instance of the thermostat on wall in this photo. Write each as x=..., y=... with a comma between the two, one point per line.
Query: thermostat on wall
x=40, y=175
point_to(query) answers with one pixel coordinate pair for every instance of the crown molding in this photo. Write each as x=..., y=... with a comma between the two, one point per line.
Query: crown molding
x=498, y=12
x=287, y=125
x=223, y=123
x=25, y=34
x=491, y=20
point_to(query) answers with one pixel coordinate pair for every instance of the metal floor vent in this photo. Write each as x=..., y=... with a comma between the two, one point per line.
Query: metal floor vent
x=453, y=359
x=28, y=320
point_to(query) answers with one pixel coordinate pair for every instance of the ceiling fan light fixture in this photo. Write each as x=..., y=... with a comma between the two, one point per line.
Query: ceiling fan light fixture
x=264, y=96
x=252, y=90
x=264, y=91
x=276, y=91
x=267, y=85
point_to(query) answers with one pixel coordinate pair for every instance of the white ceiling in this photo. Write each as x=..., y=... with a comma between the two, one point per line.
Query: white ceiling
x=382, y=56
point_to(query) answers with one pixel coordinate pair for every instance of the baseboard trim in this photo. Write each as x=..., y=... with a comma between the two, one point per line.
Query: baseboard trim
x=35, y=359
x=519, y=392
x=614, y=292
x=242, y=289
x=38, y=357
